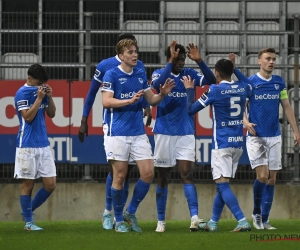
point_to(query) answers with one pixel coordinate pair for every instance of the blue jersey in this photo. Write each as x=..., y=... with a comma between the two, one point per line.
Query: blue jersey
x=33, y=134
x=172, y=117
x=228, y=100
x=264, y=104
x=108, y=64
x=127, y=120
x=100, y=71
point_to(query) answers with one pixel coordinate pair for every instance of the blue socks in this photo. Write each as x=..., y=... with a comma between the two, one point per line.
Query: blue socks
x=161, y=202
x=140, y=190
x=40, y=197
x=217, y=207
x=117, y=201
x=190, y=193
x=258, y=192
x=230, y=200
x=25, y=201
x=125, y=191
x=108, y=198
x=267, y=202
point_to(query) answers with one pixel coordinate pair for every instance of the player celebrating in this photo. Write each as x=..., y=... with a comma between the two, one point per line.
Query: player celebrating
x=263, y=134
x=102, y=67
x=123, y=87
x=174, y=129
x=227, y=100
x=33, y=155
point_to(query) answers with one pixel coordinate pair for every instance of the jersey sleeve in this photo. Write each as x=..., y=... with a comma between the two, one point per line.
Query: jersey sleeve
x=22, y=100
x=99, y=72
x=108, y=82
x=249, y=91
x=283, y=91
x=198, y=77
x=145, y=82
x=207, y=97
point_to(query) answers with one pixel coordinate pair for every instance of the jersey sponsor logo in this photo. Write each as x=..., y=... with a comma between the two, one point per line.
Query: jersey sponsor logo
x=155, y=76
x=177, y=94
x=97, y=73
x=22, y=104
x=106, y=85
x=141, y=80
x=232, y=123
x=236, y=139
x=232, y=91
x=127, y=95
x=122, y=80
x=266, y=97
x=204, y=96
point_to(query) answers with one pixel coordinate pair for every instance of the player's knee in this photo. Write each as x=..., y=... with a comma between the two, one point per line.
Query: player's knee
x=49, y=187
x=163, y=181
x=187, y=176
x=262, y=178
x=147, y=176
x=27, y=187
x=272, y=181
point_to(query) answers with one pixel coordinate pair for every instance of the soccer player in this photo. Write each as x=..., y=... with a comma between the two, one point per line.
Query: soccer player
x=33, y=155
x=102, y=67
x=123, y=86
x=174, y=129
x=263, y=134
x=227, y=100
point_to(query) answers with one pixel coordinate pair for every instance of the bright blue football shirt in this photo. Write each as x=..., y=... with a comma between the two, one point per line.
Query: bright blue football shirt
x=127, y=120
x=264, y=104
x=100, y=71
x=33, y=134
x=171, y=115
x=227, y=100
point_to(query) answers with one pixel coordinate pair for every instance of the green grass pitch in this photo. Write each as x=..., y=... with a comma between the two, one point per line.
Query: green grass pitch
x=89, y=235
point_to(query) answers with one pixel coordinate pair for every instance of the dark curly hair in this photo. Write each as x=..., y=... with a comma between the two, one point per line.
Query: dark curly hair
x=38, y=72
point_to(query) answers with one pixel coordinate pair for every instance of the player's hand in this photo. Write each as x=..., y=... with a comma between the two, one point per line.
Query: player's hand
x=148, y=113
x=250, y=127
x=48, y=90
x=167, y=87
x=188, y=82
x=137, y=96
x=174, y=53
x=83, y=130
x=41, y=93
x=296, y=139
x=193, y=53
x=231, y=57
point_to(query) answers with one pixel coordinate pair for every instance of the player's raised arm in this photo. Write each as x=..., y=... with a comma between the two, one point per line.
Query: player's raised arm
x=88, y=104
x=172, y=56
x=194, y=54
x=192, y=107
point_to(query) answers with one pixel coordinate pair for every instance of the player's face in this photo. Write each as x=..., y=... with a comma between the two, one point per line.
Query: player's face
x=35, y=82
x=178, y=67
x=267, y=62
x=130, y=56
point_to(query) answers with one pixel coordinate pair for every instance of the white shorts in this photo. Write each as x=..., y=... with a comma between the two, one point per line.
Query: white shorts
x=264, y=151
x=33, y=163
x=169, y=148
x=224, y=162
x=105, y=129
x=122, y=148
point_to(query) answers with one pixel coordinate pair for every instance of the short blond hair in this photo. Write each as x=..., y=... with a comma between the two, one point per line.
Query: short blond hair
x=266, y=50
x=125, y=44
